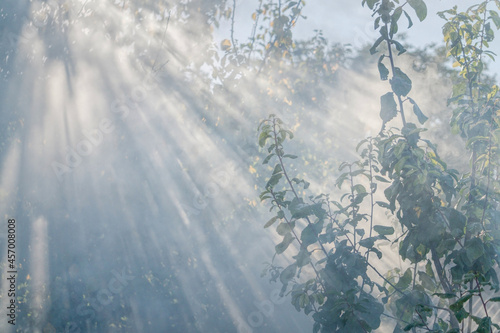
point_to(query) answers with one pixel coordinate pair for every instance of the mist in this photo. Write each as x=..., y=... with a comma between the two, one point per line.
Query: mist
x=133, y=173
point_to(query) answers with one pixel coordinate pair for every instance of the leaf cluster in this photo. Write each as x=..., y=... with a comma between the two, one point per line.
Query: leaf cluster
x=447, y=230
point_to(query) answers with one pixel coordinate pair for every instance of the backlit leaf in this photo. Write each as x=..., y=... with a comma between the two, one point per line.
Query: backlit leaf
x=420, y=8
x=389, y=107
x=400, y=82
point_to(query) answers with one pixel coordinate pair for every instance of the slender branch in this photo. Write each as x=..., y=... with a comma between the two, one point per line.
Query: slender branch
x=483, y=31
x=385, y=279
x=488, y=180
x=372, y=204
x=278, y=153
x=354, y=211
x=444, y=283
x=286, y=220
x=422, y=319
x=469, y=323
x=161, y=45
x=482, y=300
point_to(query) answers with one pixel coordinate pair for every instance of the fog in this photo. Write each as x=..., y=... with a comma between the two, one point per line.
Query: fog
x=133, y=174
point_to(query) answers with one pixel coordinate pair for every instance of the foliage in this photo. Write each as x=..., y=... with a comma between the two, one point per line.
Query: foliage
x=447, y=230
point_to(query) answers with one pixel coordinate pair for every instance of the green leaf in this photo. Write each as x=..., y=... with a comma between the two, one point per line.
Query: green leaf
x=410, y=22
x=287, y=240
x=412, y=325
x=405, y=280
x=382, y=179
x=389, y=107
x=370, y=3
x=457, y=223
x=377, y=252
x=264, y=135
x=428, y=269
x=455, y=307
x=277, y=169
x=391, y=193
x=484, y=325
x=266, y=160
x=383, y=204
x=382, y=230
x=310, y=234
x=303, y=257
x=274, y=180
x=461, y=315
x=474, y=249
x=400, y=82
x=420, y=8
x=373, y=49
x=360, y=232
x=368, y=310
x=290, y=156
x=284, y=228
x=383, y=71
x=496, y=19
x=270, y=222
x=288, y=273
x=416, y=110
x=298, y=181
x=368, y=242
x=427, y=282
x=494, y=299
x=394, y=20
x=359, y=188
x=400, y=165
x=307, y=210
x=445, y=295
x=401, y=49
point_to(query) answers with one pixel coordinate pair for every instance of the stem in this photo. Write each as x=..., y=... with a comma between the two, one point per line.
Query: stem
x=278, y=153
x=488, y=180
x=482, y=301
x=483, y=28
x=387, y=281
x=352, y=201
x=161, y=45
x=371, y=192
x=414, y=330
x=286, y=220
x=445, y=284
x=422, y=319
x=414, y=275
x=469, y=324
